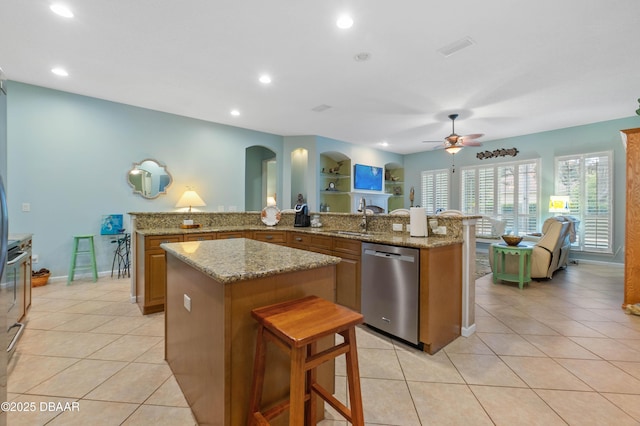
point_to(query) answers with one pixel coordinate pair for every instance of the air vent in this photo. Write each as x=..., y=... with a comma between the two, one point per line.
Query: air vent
x=320, y=108
x=456, y=46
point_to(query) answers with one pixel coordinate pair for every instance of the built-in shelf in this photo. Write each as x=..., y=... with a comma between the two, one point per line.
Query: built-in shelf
x=335, y=171
x=395, y=188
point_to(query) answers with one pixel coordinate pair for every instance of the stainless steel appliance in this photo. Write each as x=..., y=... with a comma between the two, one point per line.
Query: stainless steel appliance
x=13, y=285
x=4, y=303
x=391, y=289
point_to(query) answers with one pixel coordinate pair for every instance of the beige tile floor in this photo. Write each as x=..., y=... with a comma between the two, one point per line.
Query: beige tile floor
x=557, y=352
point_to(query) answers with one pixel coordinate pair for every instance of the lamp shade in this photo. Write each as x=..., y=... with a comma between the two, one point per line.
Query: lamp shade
x=559, y=204
x=190, y=199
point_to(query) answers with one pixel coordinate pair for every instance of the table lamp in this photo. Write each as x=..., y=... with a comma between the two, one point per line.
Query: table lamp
x=559, y=204
x=190, y=199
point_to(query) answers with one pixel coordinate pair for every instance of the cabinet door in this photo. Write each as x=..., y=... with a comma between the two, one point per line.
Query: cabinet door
x=156, y=279
x=348, y=282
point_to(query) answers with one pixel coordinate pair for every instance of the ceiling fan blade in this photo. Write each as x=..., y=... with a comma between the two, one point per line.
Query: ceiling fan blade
x=472, y=136
x=431, y=141
x=470, y=143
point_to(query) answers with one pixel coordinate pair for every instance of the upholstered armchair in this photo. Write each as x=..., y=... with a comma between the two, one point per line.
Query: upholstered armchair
x=550, y=249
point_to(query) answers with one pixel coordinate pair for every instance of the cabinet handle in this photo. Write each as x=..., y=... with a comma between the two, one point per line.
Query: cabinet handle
x=269, y=237
x=298, y=238
x=164, y=242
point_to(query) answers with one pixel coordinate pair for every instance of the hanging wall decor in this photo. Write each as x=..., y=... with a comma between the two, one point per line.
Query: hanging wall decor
x=502, y=152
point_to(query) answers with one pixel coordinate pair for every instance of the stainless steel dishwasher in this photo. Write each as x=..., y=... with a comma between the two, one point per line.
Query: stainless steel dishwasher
x=391, y=289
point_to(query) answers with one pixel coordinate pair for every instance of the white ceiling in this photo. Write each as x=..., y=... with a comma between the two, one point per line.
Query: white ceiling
x=535, y=65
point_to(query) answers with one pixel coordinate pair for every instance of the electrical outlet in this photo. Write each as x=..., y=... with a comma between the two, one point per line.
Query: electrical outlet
x=34, y=258
x=187, y=303
x=26, y=207
x=397, y=227
x=221, y=208
x=440, y=230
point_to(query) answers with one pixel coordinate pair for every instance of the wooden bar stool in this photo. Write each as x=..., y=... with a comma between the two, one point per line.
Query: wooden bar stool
x=90, y=250
x=295, y=327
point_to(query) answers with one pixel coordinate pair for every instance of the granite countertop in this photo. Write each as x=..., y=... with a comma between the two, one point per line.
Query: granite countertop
x=20, y=237
x=239, y=259
x=402, y=239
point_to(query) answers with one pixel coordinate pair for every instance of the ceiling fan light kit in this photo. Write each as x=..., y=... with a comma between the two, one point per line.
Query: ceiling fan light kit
x=453, y=149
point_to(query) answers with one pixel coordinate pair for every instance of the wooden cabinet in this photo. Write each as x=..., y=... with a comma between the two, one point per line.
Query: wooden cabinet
x=440, y=296
x=151, y=265
x=348, y=282
x=274, y=237
x=151, y=271
x=304, y=241
x=204, y=236
x=631, y=139
x=347, y=271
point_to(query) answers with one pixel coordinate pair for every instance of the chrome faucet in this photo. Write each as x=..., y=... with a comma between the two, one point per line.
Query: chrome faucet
x=362, y=207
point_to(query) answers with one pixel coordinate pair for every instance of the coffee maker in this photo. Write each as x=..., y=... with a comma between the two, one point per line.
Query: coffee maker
x=302, y=213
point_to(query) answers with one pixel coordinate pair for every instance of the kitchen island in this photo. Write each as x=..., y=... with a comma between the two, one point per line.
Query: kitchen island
x=211, y=288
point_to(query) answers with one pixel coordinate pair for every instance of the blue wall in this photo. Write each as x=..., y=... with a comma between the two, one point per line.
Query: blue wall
x=68, y=156
x=603, y=136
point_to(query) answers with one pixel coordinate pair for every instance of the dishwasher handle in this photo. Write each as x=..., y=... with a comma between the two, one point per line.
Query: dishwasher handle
x=391, y=256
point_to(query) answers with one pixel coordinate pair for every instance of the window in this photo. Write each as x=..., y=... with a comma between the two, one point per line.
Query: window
x=435, y=190
x=506, y=191
x=587, y=180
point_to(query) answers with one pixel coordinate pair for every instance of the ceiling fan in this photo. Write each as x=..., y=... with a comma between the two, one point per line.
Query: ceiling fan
x=454, y=142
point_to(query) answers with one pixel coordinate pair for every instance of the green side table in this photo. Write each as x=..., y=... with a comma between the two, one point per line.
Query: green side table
x=500, y=252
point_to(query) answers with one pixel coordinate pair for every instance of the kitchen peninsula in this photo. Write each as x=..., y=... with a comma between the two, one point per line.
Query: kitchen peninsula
x=212, y=286
x=447, y=291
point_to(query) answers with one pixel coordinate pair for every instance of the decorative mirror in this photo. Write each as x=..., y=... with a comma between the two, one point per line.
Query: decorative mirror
x=149, y=178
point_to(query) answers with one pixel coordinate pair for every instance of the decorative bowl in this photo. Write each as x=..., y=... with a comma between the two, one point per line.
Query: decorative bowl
x=512, y=240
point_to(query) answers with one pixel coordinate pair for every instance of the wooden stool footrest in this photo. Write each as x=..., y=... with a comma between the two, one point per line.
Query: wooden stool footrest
x=331, y=400
x=276, y=410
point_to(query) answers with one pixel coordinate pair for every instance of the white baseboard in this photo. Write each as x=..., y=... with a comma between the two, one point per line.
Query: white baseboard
x=468, y=331
x=594, y=262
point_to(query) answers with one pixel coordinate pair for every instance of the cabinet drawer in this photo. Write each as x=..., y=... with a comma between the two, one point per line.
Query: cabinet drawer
x=200, y=237
x=155, y=241
x=309, y=241
x=270, y=236
x=345, y=245
x=227, y=235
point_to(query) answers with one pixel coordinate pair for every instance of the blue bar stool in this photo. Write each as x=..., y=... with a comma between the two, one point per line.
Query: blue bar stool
x=89, y=250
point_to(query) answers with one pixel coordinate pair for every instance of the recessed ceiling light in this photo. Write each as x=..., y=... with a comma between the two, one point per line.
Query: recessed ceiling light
x=265, y=79
x=60, y=71
x=62, y=10
x=362, y=56
x=384, y=143
x=235, y=112
x=344, y=22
